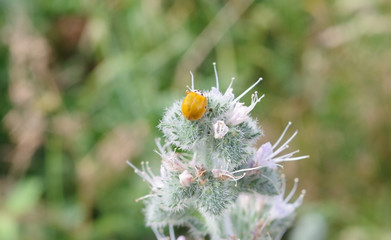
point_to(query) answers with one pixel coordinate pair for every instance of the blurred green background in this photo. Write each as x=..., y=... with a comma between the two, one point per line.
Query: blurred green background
x=84, y=84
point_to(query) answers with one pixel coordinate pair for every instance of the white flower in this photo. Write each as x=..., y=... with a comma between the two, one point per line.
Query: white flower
x=220, y=129
x=185, y=178
x=281, y=207
x=239, y=113
x=267, y=155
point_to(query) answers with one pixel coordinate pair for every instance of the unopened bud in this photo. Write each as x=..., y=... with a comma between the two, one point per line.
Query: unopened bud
x=185, y=178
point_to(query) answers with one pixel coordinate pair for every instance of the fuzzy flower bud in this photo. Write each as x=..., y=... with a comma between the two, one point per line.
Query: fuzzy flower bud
x=185, y=178
x=220, y=129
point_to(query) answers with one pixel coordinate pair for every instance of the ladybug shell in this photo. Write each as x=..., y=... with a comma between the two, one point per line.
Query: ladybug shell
x=194, y=106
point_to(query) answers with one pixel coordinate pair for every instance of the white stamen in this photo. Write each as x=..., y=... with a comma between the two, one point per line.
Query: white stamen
x=294, y=188
x=234, y=178
x=284, y=146
x=292, y=159
x=146, y=196
x=193, y=160
x=288, y=155
x=290, y=139
x=283, y=186
x=142, y=174
x=264, y=225
x=255, y=100
x=192, y=81
x=217, y=77
x=149, y=169
x=217, y=173
x=278, y=151
x=299, y=200
x=248, y=169
x=248, y=89
x=282, y=135
x=230, y=85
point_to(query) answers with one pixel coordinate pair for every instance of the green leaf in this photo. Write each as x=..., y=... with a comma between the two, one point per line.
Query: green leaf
x=266, y=182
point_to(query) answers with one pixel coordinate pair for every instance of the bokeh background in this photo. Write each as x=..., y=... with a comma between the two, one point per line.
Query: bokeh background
x=84, y=84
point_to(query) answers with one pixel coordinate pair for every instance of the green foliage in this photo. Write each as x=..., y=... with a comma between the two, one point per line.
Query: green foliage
x=179, y=196
x=216, y=197
x=265, y=181
x=92, y=70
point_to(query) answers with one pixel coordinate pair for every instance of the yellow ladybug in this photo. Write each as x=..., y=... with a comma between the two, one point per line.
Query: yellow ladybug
x=194, y=105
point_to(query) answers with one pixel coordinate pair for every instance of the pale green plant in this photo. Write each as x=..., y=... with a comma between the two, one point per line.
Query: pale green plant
x=212, y=178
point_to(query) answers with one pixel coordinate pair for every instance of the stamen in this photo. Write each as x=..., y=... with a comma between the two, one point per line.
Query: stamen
x=143, y=175
x=248, y=89
x=283, y=184
x=234, y=178
x=293, y=159
x=254, y=101
x=193, y=160
x=159, y=146
x=217, y=77
x=146, y=196
x=290, y=139
x=149, y=169
x=282, y=148
x=299, y=200
x=230, y=85
x=264, y=225
x=282, y=135
x=288, y=155
x=142, y=166
x=294, y=188
x=192, y=81
x=248, y=169
x=158, y=153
